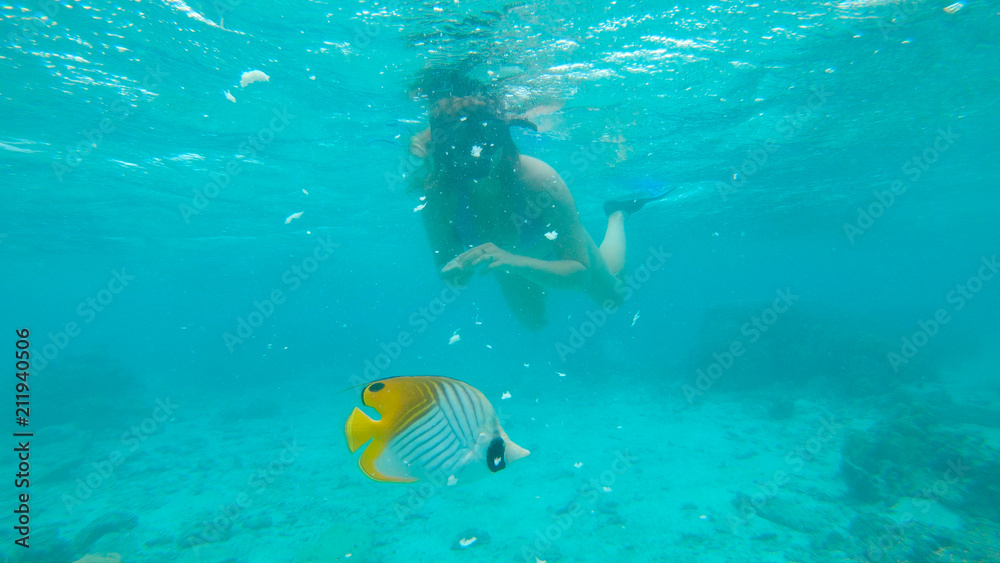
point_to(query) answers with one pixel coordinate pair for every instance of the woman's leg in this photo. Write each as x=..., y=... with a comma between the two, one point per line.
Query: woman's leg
x=525, y=300
x=613, y=245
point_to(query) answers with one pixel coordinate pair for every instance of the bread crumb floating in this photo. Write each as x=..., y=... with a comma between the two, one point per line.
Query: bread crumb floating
x=230, y=97
x=252, y=76
x=470, y=538
x=506, y=395
x=293, y=217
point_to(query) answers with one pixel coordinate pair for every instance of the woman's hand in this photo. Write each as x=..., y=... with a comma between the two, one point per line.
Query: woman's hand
x=460, y=270
x=420, y=143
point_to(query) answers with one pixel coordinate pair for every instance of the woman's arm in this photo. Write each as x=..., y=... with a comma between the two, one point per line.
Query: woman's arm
x=438, y=218
x=548, y=194
x=556, y=274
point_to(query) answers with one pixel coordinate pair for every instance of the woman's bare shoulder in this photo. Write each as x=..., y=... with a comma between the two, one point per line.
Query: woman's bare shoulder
x=538, y=175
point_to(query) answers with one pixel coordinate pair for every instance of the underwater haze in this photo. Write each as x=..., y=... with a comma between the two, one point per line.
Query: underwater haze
x=211, y=237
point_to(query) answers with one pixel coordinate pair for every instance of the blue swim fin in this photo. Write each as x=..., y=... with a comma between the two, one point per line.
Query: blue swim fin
x=632, y=205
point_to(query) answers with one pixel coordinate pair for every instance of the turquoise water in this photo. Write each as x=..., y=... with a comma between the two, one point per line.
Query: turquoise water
x=811, y=376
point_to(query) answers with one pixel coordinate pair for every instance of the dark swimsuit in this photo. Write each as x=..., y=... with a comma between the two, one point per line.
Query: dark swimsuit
x=530, y=232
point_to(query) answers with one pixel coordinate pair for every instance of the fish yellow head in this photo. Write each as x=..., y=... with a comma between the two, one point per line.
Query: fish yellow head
x=430, y=427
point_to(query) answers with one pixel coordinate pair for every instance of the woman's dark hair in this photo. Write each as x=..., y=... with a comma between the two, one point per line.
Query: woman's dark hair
x=457, y=80
x=468, y=120
x=466, y=133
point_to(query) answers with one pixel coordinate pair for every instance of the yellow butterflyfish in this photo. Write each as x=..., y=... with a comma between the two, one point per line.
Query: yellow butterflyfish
x=431, y=427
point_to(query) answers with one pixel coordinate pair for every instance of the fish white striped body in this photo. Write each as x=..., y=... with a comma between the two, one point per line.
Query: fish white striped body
x=432, y=428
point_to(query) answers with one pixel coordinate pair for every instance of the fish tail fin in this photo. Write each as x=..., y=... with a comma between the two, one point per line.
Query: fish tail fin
x=360, y=428
x=513, y=451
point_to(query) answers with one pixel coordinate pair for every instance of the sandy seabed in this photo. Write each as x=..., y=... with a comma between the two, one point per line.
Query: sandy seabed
x=619, y=471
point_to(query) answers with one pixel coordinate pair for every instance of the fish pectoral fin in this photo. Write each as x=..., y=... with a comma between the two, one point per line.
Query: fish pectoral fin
x=360, y=428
